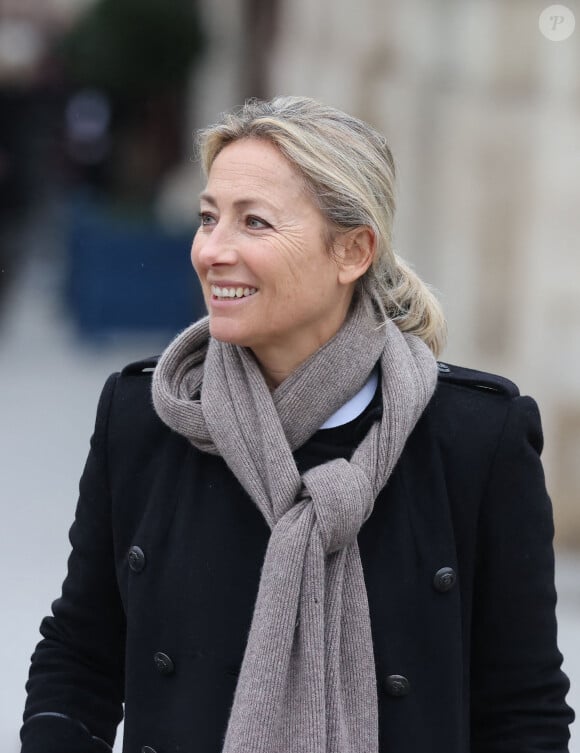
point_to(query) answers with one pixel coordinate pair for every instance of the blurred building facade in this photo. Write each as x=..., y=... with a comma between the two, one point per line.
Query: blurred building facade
x=483, y=115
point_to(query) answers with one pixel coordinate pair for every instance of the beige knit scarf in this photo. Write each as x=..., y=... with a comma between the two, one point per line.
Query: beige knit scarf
x=307, y=682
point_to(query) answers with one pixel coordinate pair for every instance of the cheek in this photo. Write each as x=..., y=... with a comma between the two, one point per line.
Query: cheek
x=289, y=263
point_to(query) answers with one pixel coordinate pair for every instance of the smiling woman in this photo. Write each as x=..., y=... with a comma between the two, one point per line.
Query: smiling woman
x=298, y=532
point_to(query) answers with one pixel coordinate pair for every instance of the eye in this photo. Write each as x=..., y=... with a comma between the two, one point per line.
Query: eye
x=256, y=223
x=205, y=218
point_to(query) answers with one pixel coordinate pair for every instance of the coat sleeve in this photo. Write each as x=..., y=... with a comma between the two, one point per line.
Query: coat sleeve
x=75, y=686
x=517, y=687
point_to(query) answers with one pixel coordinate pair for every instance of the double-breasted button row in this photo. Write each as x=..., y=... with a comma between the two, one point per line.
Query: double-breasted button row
x=397, y=685
x=163, y=663
x=136, y=557
x=444, y=579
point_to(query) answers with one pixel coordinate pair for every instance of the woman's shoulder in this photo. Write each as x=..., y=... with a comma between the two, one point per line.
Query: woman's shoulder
x=138, y=444
x=472, y=408
x=462, y=391
x=126, y=401
x=452, y=376
x=130, y=388
x=142, y=367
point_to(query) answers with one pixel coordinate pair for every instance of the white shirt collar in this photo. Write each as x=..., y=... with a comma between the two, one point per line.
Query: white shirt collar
x=356, y=405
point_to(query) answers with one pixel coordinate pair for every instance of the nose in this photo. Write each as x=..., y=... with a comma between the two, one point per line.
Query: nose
x=215, y=247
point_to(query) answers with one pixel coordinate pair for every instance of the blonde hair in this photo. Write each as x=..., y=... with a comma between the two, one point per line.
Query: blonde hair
x=349, y=170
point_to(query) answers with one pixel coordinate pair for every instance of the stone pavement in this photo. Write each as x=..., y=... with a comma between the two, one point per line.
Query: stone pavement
x=43, y=370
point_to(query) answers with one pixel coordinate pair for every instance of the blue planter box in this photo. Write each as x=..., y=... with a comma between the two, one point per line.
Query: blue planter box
x=126, y=274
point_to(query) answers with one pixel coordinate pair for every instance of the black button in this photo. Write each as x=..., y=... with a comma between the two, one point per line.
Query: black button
x=397, y=685
x=136, y=558
x=148, y=749
x=444, y=579
x=164, y=664
x=443, y=368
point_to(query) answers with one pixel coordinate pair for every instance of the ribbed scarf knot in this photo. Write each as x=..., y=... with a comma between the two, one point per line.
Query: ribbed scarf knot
x=340, y=509
x=307, y=683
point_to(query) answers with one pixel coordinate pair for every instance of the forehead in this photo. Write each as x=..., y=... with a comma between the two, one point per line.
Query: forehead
x=255, y=165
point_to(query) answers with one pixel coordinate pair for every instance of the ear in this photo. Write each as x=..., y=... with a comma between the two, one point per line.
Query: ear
x=354, y=251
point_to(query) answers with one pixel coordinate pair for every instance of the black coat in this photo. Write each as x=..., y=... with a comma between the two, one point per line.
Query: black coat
x=167, y=550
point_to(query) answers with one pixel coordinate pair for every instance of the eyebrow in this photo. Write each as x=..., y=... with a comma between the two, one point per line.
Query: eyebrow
x=239, y=203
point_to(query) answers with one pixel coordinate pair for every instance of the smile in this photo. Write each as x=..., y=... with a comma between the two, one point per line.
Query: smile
x=218, y=292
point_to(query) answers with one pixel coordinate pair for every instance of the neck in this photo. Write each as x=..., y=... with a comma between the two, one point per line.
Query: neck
x=277, y=361
x=280, y=361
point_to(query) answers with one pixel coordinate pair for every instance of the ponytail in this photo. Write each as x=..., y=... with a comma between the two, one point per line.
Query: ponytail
x=408, y=302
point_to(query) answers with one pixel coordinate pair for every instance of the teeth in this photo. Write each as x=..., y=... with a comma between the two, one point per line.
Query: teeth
x=232, y=292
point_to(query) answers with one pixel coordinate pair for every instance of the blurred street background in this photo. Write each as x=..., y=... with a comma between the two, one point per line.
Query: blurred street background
x=480, y=102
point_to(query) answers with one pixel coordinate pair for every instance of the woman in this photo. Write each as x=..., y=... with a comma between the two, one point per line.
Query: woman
x=303, y=534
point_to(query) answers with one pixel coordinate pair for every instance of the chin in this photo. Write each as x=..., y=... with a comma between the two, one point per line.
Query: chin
x=225, y=333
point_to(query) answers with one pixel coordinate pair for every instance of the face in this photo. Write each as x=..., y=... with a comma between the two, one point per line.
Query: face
x=269, y=281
